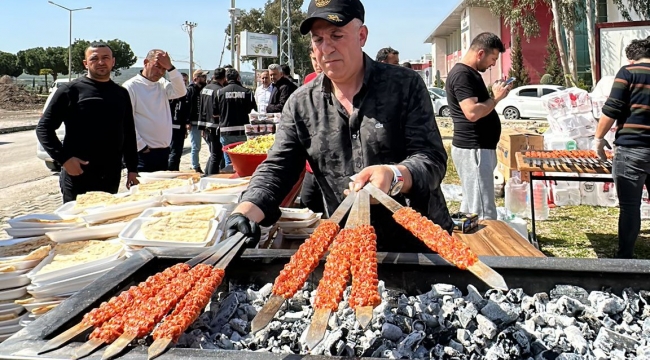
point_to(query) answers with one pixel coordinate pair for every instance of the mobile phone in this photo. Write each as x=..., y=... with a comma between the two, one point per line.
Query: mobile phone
x=509, y=81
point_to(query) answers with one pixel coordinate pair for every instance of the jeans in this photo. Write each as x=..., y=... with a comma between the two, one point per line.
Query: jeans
x=475, y=168
x=154, y=160
x=195, y=139
x=230, y=139
x=176, y=149
x=213, y=166
x=106, y=179
x=630, y=170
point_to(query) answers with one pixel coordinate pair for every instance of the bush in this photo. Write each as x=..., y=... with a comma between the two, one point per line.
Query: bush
x=546, y=80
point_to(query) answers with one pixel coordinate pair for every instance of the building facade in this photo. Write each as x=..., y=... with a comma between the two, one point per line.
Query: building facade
x=451, y=38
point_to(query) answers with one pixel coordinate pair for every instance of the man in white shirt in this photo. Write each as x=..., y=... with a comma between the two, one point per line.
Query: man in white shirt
x=150, y=93
x=263, y=92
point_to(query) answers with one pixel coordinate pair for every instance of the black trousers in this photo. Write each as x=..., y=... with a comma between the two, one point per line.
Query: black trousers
x=213, y=166
x=176, y=149
x=154, y=160
x=104, y=179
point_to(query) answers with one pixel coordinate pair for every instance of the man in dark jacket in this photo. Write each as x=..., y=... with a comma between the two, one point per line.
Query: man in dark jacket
x=283, y=89
x=234, y=103
x=192, y=100
x=210, y=120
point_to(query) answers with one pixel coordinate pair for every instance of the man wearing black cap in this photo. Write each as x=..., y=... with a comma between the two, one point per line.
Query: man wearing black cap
x=209, y=120
x=362, y=118
x=234, y=103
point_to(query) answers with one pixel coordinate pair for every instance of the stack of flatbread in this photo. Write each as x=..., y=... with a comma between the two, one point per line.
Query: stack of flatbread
x=163, y=184
x=36, y=249
x=99, y=198
x=191, y=225
x=214, y=187
x=79, y=253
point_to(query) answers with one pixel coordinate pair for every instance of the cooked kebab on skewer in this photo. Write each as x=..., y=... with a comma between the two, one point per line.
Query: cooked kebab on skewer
x=365, y=291
x=436, y=238
x=305, y=260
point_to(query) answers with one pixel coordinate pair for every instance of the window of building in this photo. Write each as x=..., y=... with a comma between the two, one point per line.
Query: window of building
x=528, y=92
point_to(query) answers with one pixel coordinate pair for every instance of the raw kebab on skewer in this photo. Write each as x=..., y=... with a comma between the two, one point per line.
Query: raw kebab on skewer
x=569, y=154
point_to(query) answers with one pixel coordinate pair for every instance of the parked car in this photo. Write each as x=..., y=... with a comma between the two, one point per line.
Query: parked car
x=56, y=84
x=440, y=105
x=60, y=133
x=525, y=102
x=438, y=91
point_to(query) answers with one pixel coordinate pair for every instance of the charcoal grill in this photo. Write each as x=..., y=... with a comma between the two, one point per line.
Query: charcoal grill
x=411, y=273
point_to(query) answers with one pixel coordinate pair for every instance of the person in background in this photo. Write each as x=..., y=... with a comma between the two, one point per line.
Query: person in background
x=629, y=105
x=388, y=55
x=407, y=65
x=264, y=91
x=286, y=71
x=100, y=132
x=192, y=100
x=186, y=79
x=314, y=64
x=150, y=93
x=233, y=104
x=334, y=123
x=477, y=126
x=179, y=132
x=211, y=120
x=282, y=89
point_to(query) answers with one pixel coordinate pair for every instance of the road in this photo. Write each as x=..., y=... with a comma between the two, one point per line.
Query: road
x=23, y=176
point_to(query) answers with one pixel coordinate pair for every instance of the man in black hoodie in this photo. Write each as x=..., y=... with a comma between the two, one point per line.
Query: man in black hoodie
x=210, y=120
x=100, y=130
x=283, y=88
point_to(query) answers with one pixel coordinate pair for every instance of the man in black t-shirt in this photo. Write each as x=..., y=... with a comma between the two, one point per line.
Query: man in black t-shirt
x=100, y=131
x=477, y=126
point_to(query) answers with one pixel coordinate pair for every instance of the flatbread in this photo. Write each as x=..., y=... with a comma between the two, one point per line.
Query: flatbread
x=176, y=230
x=203, y=213
x=43, y=309
x=78, y=253
x=92, y=198
x=126, y=199
x=165, y=184
x=27, y=250
x=47, y=221
x=216, y=187
x=193, y=177
x=117, y=220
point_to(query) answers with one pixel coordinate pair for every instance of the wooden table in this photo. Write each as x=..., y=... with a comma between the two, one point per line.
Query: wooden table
x=492, y=238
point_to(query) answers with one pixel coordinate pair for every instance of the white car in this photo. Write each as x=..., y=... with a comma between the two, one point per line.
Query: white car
x=56, y=84
x=60, y=133
x=440, y=105
x=525, y=102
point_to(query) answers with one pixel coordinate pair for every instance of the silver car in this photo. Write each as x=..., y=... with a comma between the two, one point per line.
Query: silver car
x=60, y=133
x=439, y=100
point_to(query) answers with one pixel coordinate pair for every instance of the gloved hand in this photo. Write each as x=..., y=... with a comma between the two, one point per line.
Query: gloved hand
x=237, y=222
x=599, y=147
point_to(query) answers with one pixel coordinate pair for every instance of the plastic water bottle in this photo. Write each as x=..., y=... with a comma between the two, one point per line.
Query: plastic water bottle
x=540, y=194
x=516, y=194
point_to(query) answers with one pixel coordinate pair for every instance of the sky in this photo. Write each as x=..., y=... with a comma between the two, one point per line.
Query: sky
x=157, y=24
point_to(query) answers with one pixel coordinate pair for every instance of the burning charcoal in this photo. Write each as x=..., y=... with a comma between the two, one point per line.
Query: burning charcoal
x=433, y=308
x=573, y=292
x=632, y=299
x=475, y=297
x=608, y=322
x=226, y=330
x=538, y=319
x=495, y=295
x=575, y=338
x=391, y=332
x=541, y=300
x=235, y=337
x=226, y=310
x=297, y=302
x=406, y=310
x=249, y=310
x=440, y=290
x=224, y=343
x=464, y=336
x=466, y=315
x=523, y=340
x=500, y=314
x=252, y=296
x=569, y=306
x=606, y=303
x=528, y=303
x=547, y=355
x=430, y=320
x=420, y=353
x=292, y=316
x=617, y=354
x=486, y=326
x=643, y=352
x=410, y=342
x=600, y=355
x=419, y=325
x=646, y=327
x=404, y=323
x=515, y=295
x=537, y=347
x=239, y=325
x=607, y=340
x=569, y=356
x=265, y=291
x=330, y=340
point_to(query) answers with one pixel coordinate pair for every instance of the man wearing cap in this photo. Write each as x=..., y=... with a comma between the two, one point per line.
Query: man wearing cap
x=150, y=93
x=192, y=100
x=210, y=119
x=234, y=103
x=360, y=117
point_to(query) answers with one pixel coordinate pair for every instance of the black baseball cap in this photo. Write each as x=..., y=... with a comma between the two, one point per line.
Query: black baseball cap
x=337, y=12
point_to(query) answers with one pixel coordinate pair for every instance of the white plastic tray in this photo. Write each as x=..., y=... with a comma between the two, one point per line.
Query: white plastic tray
x=206, y=198
x=132, y=235
x=13, y=282
x=296, y=214
x=20, y=223
x=14, y=321
x=110, y=261
x=12, y=294
x=78, y=277
x=112, y=212
x=12, y=275
x=165, y=174
x=34, y=305
x=154, y=200
x=17, y=309
x=14, y=241
x=69, y=209
x=8, y=305
x=186, y=189
x=39, y=292
x=87, y=233
x=10, y=330
x=203, y=184
x=218, y=210
x=31, y=232
x=300, y=223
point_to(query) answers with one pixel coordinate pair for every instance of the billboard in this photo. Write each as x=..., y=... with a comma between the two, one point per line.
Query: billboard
x=258, y=45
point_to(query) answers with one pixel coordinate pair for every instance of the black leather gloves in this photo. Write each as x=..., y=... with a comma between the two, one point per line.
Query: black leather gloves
x=237, y=222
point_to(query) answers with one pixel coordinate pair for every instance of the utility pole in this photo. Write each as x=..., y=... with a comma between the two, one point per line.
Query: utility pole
x=188, y=27
x=70, y=35
x=285, y=33
x=234, y=13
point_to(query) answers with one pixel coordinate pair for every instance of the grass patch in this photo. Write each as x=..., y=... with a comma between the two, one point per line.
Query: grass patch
x=572, y=231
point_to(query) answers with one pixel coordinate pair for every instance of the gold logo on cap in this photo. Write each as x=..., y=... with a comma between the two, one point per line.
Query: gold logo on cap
x=334, y=18
x=322, y=3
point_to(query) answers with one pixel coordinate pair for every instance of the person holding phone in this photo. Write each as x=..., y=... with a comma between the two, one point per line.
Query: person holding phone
x=477, y=126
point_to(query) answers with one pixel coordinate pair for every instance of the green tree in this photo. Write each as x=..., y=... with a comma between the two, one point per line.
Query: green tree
x=517, y=67
x=124, y=56
x=9, y=64
x=516, y=14
x=32, y=60
x=267, y=21
x=45, y=72
x=56, y=60
x=640, y=7
x=552, y=65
